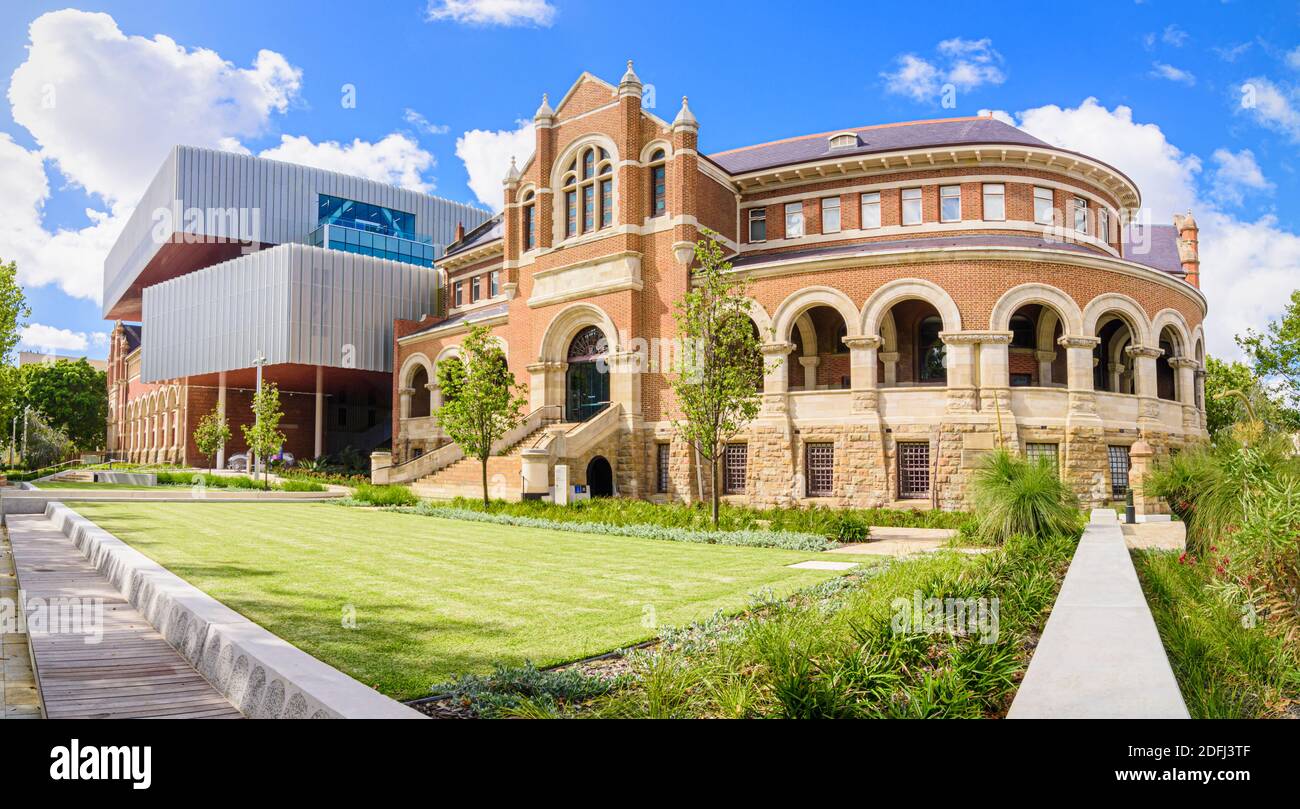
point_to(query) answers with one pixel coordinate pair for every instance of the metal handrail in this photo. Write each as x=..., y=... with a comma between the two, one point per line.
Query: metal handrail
x=542, y=421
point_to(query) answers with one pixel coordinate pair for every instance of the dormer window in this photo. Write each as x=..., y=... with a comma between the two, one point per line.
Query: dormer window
x=844, y=140
x=594, y=187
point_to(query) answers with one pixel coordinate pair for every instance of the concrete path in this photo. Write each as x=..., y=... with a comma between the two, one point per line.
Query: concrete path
x=19, y=698
x=887, y=541
x=105, y=661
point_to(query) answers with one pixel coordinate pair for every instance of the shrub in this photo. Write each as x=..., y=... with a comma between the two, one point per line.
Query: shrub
x=524, y=691
x=300, y=486
x=1013, y=496
x=385, y=495
x=853, y=528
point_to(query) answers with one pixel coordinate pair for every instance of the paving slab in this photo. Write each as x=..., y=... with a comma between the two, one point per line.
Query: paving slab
x=1162, y=536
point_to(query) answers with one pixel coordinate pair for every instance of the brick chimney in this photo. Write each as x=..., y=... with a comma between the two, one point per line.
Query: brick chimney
x=460, y=231
x=1189, y=253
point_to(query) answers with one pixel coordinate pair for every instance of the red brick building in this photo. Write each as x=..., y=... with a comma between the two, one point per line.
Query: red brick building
x=923, y=290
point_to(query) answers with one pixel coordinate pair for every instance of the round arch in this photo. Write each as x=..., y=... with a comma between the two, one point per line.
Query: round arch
x=654, y=146
x=1173, y=320
x=559, y=169
x=567, y=323
x=906, y=289
x=799, y=302
x=409, y=366
x=762, y=320
x=1114, y=302
x=1050, y=297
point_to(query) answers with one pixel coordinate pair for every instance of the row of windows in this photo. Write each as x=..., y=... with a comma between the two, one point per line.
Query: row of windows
x=489, y=283
x=588, y=190
x=910, y=213
x=735, y=468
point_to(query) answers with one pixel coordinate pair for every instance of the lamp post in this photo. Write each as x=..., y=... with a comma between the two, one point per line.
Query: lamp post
x=257, y=363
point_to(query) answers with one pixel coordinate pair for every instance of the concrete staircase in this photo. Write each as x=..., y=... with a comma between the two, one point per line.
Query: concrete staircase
x=464, y=478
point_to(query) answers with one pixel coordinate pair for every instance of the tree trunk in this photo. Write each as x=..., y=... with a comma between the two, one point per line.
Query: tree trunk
x=713, y=486
x=486, y=504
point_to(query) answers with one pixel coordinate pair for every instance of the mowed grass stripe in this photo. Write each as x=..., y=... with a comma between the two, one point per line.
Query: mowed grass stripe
x=435, y=597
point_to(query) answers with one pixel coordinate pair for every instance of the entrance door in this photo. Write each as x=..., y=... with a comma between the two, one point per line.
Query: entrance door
x=600, y=478
x=913, y=470
x=587, y=380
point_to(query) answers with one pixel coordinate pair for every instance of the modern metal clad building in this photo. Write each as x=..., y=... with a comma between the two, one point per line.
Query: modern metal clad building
x=229, y=258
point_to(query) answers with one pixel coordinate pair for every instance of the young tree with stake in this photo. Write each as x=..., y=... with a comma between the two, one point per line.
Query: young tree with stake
x=481, y=401
x=718, y=388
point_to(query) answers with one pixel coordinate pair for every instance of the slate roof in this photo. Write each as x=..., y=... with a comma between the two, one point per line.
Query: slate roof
x=489, y=231
x=470, y=316
x=874, y=139
x=940, y=242
x=1155, y=246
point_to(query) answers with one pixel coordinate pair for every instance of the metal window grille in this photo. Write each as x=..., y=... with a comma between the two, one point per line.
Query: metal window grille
x=1119, y=463
x=913, y=470
x=661, y=469
x=819, y=466
x=735, y=465
x=1036, y=452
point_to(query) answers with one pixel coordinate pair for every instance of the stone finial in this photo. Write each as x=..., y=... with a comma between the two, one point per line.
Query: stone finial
x=685, y=118
x=512, y=176
x=630, y=78
x=544, y=111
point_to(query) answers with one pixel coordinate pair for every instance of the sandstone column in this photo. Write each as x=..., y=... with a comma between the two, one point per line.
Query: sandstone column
x=1084, y=460
x=1144, y=384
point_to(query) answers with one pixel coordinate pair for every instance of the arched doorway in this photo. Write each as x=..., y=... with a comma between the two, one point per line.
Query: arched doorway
x=420, y=399
x=600, y=478
x=587, y=380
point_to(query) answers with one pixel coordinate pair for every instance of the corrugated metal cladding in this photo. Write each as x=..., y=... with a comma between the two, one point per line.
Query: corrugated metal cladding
x=278, y=201
x=292, y=303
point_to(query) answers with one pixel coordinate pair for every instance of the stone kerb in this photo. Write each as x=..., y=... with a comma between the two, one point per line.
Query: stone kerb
x=261, y=674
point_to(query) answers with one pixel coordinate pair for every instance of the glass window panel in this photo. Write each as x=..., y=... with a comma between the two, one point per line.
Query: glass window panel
x=911, y=206
x=1043, y=204
x=995, y=202
x=950, y=203
x=871, y=210
x=831, y=215
x=793, y=220
x=757, y=224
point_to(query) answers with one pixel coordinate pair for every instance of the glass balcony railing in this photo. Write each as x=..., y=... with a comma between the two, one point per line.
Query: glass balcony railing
x=420, y=250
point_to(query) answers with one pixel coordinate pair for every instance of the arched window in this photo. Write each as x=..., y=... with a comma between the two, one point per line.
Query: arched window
x=530, y=222
x=658, y=183
x=931, y=352
x=420, y=399
x=593, y=188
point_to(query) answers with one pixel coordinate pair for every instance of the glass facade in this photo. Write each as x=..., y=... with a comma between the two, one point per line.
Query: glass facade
x=370, y=230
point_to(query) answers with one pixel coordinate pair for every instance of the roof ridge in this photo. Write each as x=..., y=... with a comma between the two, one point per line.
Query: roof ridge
x=858, y=129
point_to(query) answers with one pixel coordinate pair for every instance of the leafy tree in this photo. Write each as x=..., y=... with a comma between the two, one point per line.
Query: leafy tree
x=481, y=401
x=211, y=434
x=45, y=444
x=718, y=387
x=70, y=394
x=263, y=436
x=1229, y=385
x=14, y=310
x=1275, y=352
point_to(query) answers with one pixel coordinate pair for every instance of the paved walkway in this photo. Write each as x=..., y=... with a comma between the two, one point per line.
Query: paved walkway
x=19, y=698
x=887, y=541
x=130, y=671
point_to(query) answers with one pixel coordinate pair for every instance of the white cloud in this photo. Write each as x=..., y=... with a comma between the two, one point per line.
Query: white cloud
x=964, y=63
x=1173, y=35
x=86, y=91
x=1230, y=53
x=396, y=159
x=39, y=337
x=493, y=12
x=1237, y=172
x=1160, y=70
x=422, y=124
x=1248, y=268
x=487, y=153
x=1273, y=106
x=1293, y=58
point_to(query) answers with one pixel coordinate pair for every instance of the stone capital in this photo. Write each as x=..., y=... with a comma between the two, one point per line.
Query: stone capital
x=776, y=349
x=1045, y=356
x=1183, y=362
x=1078, y=341
x=1144, y=351
x=810, y=362
x=960, y=338
x=861, y=342
x=888, y=356
x=431, y=387
x=406, y=391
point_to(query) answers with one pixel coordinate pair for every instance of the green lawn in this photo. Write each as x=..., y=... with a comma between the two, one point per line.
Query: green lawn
x=88, y=486
x=436, y=597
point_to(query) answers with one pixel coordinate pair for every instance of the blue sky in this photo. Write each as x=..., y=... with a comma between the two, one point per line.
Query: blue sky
x=441, y=89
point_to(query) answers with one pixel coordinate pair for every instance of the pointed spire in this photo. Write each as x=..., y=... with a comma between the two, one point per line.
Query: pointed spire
x=685, y=118
x=544, y=111
x=631, y=82
x=512, y=176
